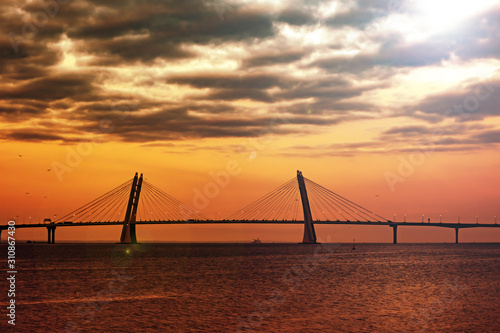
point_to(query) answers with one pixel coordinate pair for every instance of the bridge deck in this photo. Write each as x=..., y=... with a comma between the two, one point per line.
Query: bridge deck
x=390, y=224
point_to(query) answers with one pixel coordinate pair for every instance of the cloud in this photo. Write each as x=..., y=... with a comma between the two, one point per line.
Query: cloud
x=155, y=71
x=32, y=136
x=359, y=18
x=229, y=81
x=471, y=103
x=296, y=17
x=32, y=60
x=489, y=137
x=256, y=87
x=361, y=13
x=479, y=37
x=178, y=123
x=333, y=89
x=272, y=59
x=54, y=87
x=232, y=87
x=147, y=30
x=409, y=139
x=22, y=110
x=408, y=130
x=393, y=53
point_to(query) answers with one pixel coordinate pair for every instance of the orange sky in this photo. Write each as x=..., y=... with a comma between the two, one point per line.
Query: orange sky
x=393, y=108
x=436, y=188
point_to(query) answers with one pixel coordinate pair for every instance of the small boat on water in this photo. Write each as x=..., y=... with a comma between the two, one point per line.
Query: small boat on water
x=256, y=241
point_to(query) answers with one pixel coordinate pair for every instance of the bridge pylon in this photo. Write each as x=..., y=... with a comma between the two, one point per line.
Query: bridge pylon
x=309, y=233
x=128, y=235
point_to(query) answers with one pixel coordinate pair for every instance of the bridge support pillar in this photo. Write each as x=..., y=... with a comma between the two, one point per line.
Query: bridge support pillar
x=456, y=235
x=309, y=233
x=394, y=234
x=51, y=235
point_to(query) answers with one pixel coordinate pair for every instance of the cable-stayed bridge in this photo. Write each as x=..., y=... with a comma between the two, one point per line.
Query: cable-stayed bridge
x=298, y=201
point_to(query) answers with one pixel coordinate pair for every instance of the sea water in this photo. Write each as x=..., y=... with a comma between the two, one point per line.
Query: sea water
x=255, y=288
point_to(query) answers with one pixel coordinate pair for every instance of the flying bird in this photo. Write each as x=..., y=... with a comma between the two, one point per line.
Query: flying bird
x=20, y=155
x=27, y=192
x=49, y=169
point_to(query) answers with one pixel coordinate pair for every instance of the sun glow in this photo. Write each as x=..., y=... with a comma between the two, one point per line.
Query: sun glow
x=443, y=15
x=418, y=20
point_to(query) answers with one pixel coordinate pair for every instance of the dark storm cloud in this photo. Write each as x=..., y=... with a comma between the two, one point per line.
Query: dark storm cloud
x=253, y=86
x=176, y=123
x=330, y=97
x=333, y=89
x=354, y=18
x=149, y=29
x=274, y=59
x=32, y=136
x=26, y=33
x=51, y=88
x=102, y=108
x=474, y=102
x=229, y=81
x=234, y=87
x=17, y=112
x=118, y=112
x=32, y=59
x=296, y=17
x=128, y=30
x=237, y=94
x=489, y=137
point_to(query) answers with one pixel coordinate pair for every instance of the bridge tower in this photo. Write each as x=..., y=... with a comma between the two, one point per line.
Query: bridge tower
x=128, y=231
x=309, y=233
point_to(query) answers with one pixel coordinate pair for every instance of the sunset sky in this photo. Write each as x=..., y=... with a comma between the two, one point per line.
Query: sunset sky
x=392, y=104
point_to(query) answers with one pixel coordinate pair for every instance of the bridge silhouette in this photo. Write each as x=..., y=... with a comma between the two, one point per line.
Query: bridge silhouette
x=298, y=201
